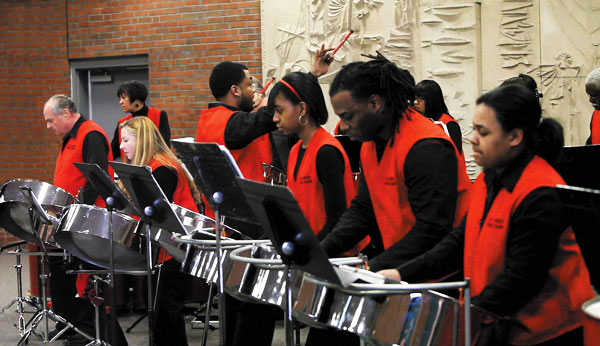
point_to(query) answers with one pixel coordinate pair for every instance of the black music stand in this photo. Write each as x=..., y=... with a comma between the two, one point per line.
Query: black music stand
x=215, y=171
x=149, y=197
x=583, y=211
x=579, y=166
x=115, y=199
x=291, y=235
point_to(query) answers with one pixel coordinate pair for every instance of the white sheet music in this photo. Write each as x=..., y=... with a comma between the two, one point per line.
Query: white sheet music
x=234, y=164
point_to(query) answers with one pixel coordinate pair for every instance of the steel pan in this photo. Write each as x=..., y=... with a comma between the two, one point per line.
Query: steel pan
x=201, y=259
x=14, y=209
x=84, y=231
x=424, y=318
x=273, y=175
x=256, y=274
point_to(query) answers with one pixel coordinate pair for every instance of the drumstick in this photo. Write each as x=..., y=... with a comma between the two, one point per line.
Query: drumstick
x=262, y=91
x=330, y=58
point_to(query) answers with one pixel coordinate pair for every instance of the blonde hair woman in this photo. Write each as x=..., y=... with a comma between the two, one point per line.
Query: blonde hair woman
x=143, y=145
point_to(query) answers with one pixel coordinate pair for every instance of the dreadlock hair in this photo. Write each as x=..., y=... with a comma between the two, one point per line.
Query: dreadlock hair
x=378, y=76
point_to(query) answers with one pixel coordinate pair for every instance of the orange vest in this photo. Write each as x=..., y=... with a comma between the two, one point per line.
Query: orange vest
x=385, y=178
x=153, y=114
x=182, y=197
x=595, y=127
x=66, y=175
x=307, y=189
x=557, y=308
x=211, y=128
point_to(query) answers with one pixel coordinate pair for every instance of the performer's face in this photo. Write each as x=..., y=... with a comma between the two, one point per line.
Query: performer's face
x=286, y=115
x=128, y=141
x=492, y=146
x=246, y=93
x=126, y=105
x=360, y=121
x=593, y=92
x=419, y=104
x=57, y=123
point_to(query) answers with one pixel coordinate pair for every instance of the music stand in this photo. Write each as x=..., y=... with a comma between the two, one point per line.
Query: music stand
x=291, y=235
x=115, y=199
x=215, y=171
x=583, y=210
x=579, y=166
x=149, y=197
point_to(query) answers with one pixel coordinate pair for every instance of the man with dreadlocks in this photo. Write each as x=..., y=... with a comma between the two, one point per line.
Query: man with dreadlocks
x=414, y=187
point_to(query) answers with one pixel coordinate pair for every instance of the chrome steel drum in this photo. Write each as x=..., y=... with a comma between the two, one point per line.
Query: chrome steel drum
x=425, y=318
x=201, y=260
x=259, y=283
x=190, y=220
x=84, y=231
x=14, y=209
x=273, y=175
x=591, y=321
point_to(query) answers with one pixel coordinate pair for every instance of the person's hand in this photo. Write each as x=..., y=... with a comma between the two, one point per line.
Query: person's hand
x=322, y=61
x=391, y=274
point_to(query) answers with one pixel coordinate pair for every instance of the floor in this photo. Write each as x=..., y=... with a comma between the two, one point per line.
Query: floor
x=9, y=334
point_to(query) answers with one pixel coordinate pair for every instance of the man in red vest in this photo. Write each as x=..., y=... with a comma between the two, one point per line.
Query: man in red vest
x=414, y=187
x=132, y=99
x=82, y=141
x=592, y=88
x=230, y=121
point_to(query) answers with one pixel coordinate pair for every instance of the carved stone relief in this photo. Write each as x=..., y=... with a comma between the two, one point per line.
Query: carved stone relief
x=466, y=46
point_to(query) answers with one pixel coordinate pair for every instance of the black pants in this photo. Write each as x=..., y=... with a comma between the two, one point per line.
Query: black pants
x=318, y=337
x=169, y=327
x=248, y=323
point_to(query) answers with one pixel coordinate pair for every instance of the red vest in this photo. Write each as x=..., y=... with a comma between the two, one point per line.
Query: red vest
x=153, y=114
x=211, y=128
x=385, y=179
x=595, y=127
x=557, y=308
x=183, y=194
x=307, y=189
x=66, y=175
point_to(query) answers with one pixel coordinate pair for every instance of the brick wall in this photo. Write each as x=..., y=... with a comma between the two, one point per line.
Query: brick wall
x=183, y=40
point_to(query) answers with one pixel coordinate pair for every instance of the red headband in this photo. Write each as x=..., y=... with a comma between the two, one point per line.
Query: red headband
x=292, y=89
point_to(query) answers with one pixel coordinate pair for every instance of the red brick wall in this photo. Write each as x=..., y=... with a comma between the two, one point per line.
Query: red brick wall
x=183, y=40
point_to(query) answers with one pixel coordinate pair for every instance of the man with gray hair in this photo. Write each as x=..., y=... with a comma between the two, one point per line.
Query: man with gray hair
x=82, y=141
x=592, y=88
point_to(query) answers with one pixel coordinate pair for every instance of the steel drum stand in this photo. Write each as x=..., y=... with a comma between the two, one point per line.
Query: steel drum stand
x=19, y=299
x=217, y=198
x=45, y=313
x=97, y=301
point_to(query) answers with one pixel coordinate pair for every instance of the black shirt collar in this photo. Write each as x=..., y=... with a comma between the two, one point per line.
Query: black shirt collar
x=510, y=175
x=218, y=104
x=142, y=111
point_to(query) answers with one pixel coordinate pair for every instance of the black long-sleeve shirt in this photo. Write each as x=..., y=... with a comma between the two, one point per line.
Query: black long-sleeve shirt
x=164, y=129
x=532, y=241
x=244, y=127
x=94, y=150
x=455, y=134
x=430, y=177
x=330, y=171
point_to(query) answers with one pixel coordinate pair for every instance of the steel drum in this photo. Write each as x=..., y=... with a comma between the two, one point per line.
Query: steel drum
x=14, y=209
x=273, y=175
x=84, y=231
x=256, y=274
x=422, y=318
x=591, y=321
x=200, y=259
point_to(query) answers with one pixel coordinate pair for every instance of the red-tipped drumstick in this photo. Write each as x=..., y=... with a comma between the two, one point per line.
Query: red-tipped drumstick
x=262, y=91
x=329, y=59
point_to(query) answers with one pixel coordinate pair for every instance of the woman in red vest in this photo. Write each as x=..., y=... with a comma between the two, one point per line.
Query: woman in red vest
x=429, y=101
x=132, y=99
x=143, y=145
x=516, y=245
x=318, y=170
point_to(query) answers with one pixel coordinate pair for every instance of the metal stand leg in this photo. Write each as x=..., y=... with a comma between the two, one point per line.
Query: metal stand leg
x=96, y=301
x=287, y=321
x=218, y=199
x=20, y=300
x=207, y=317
